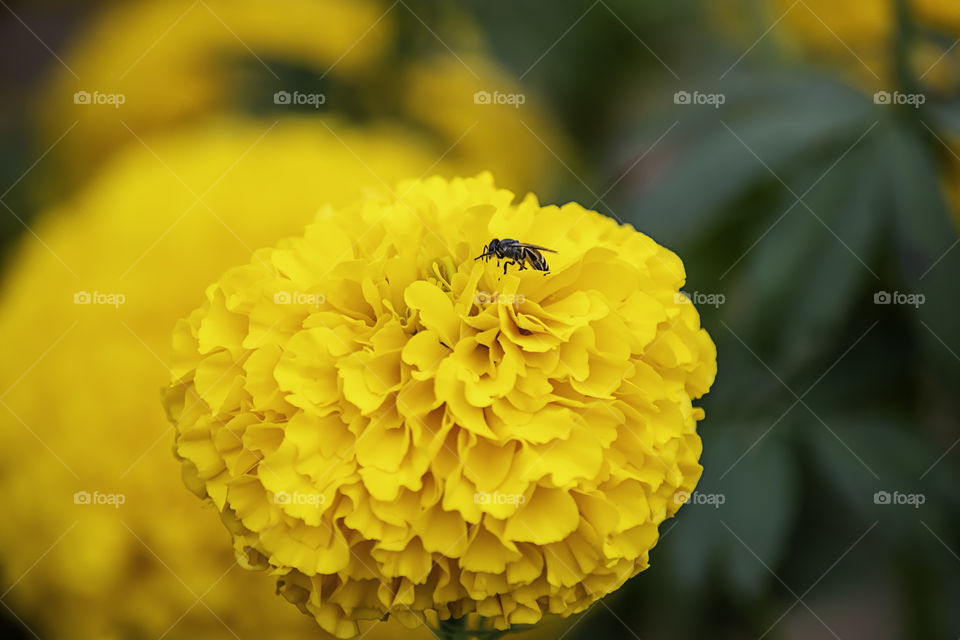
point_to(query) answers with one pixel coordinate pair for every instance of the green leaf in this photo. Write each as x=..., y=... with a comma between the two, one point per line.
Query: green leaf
x=715, y=155
x=928, y=250
x=856, y=447
x=807, y=271
x=747, y=530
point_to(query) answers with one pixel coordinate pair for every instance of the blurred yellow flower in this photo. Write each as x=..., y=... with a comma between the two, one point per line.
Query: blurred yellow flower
x=829, y=27
x=944, y=14
x=87, y=307
x=393, y=427
x=855, y=36
x=173, y=61
x=497, y=125
x=150, y=65
x=951, y=177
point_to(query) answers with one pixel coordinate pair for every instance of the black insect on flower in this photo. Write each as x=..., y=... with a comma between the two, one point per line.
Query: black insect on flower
x=516, y=252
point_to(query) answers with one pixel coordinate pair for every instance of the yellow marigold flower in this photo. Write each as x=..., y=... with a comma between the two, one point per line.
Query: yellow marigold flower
x=79, y=381
x=396, y=428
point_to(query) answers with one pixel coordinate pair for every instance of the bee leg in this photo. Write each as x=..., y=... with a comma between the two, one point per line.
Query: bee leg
x=506, y=264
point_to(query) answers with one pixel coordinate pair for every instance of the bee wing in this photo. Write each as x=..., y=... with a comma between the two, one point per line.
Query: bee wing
x=536, y=246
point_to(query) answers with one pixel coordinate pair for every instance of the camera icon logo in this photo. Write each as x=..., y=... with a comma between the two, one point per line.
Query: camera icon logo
x=81, y=97
x=681, y=497
x=881, y=497
x=82, y=297
x=282, y=297
x=882, y=297
x=481, y=97
x=681, y=97
x=81, y=497
x=481, y=497
x=881, y=97
x=281, y=97
x=283, y=497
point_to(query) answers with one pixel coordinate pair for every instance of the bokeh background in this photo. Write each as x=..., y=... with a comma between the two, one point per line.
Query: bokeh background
x=800, y=155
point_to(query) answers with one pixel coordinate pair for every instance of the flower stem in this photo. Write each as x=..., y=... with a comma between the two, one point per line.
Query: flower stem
x=453, y=629
x=460, y=629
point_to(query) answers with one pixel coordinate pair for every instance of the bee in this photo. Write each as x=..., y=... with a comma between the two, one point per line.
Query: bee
x=516, y=252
